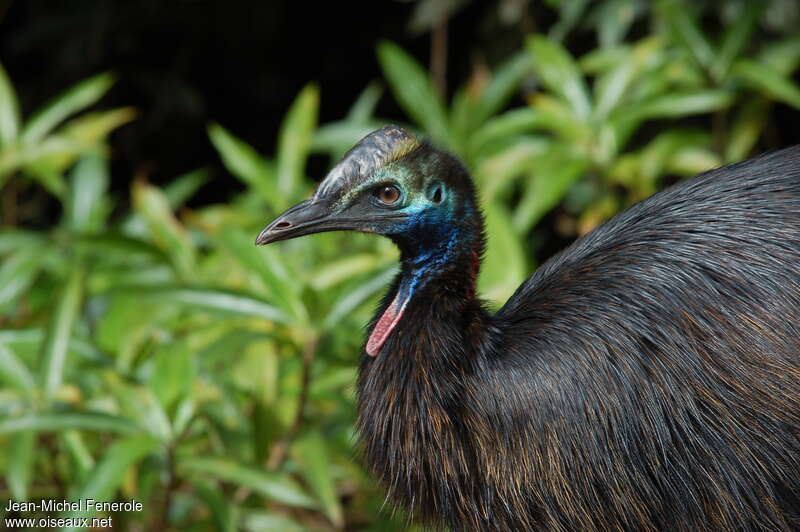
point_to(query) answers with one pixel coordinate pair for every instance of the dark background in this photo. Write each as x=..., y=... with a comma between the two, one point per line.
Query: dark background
x=186, y=63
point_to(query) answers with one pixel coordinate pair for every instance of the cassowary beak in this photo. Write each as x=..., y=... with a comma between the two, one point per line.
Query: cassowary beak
x=309, y=217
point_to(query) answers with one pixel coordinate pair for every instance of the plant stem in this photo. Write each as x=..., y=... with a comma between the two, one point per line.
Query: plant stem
x=439, y=49
x=279, y=451
x=161, y=521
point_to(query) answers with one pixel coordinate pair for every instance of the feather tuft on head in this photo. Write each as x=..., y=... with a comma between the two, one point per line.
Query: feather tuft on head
x=380, y=147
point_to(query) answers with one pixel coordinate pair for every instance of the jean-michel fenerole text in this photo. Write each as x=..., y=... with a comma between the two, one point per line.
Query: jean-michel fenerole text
x=79, y=505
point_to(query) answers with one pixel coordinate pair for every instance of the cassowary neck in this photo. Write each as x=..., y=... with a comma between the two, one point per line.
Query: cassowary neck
x=410, y=396
x=451, y=255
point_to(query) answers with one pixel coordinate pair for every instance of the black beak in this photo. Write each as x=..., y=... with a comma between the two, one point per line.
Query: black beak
x=309, y=217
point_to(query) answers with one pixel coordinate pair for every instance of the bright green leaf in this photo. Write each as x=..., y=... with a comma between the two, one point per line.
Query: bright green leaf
x=553, y=176
x=172, y=374
x=71, y=101
x=54, y=353
x=768, y=81
x=183, y=187
x=504, y=265
x=413, y=90
x=245, y=163
x=86, y=207
x=14, y=372
x=559, y=73
x=107, y=476
x=165, y=230
x=364, y=106
x=735, y=38
x=687, y=31
x=68, y=420
x=504, y=81
x=9, y=110
x=20, y=458
x=294, y=140
x=354, y=299
x=275, y=486
x=227, y=302
x=312, y=454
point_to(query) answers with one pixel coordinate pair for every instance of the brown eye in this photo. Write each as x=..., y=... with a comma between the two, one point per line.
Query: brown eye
x=388, y=194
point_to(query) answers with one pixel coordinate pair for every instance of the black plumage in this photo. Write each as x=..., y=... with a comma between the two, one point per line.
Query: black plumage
x=645, y=378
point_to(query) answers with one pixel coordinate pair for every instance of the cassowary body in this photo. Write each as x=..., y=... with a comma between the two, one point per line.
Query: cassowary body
x=646, y=378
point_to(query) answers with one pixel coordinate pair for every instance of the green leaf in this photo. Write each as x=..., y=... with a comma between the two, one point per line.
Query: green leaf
x=614, y=19
x=569, y=14
x=507, y=126
x=261, y=521
x=172, y=374
x=223, y=511
x=20, y=459
x=462, y=114
x=245, y=163
x=9, y=110
x=504, y=81
x=354, y=299
x=67, y=103
x=275, y=486
x=14, y=372
x=338, y=137
x=413, y=90
x=15, y=238
x=333, y=380
x=612, y=87
x=312, y=454
x=783, y=56
x=140, y=404
x=69, y=420
x=364, y=106
x=504, y=265
x=165, y=230
x=86, y=208
x=59, y=330
x=496, y=173
x=267, y=263
x=553, y=176
x=332, y=273
x=90, y=128
x=18, y=272
x=294, y=140
x=183, y=187
x=559, y=73
x=687, y=31
x=735, y=38
x=226, y=302
x=767, y=81
x=82, y=459
x=678, y=105
x=107, y=476
x=746, y=129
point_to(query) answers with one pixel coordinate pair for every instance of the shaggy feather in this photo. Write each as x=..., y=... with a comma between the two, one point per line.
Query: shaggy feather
x=646, y=378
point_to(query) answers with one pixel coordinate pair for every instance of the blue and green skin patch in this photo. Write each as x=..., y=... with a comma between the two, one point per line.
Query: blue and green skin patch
x=427, y=235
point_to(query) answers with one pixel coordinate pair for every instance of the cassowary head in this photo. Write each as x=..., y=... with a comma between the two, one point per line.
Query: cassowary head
x=390, y=184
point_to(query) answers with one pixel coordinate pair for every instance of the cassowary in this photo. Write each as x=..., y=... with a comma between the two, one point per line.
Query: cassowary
x=645, y=378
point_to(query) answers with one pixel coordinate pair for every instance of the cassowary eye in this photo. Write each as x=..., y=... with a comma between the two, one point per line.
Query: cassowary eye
x=388, y=194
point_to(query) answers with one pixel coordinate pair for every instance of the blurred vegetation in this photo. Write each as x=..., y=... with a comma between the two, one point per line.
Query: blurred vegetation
x=151, y=351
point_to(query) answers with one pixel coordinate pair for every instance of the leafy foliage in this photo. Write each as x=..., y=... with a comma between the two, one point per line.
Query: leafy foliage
x=158, y=355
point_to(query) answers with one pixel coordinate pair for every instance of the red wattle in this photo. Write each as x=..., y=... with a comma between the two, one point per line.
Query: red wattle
x=384, y=327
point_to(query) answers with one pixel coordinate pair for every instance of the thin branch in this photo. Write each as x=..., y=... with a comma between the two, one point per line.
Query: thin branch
x=161, y=521
x=279, y=451
x=439, y=48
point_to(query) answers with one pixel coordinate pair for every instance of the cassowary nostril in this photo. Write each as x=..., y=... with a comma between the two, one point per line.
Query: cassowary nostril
x=282, y=225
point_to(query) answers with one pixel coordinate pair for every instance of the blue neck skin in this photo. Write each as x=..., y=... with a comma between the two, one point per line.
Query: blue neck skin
x=429, y=244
